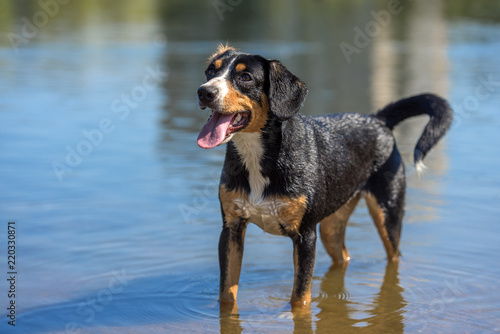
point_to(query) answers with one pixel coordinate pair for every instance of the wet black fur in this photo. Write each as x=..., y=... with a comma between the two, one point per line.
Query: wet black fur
x=327, y=158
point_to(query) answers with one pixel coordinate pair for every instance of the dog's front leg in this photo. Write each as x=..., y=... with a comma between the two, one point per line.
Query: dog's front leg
x=230, y=257
x=304, y=250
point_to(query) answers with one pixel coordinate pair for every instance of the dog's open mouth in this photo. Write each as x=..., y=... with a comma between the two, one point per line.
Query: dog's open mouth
x=220, y=126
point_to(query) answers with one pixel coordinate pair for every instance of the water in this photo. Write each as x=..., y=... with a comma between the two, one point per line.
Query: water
x=116, y=210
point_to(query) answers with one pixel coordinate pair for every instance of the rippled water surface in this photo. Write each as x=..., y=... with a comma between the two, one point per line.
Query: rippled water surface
x=116, y=209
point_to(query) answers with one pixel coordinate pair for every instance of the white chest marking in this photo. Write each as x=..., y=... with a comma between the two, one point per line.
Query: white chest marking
x=250, y=148
x=265, y=214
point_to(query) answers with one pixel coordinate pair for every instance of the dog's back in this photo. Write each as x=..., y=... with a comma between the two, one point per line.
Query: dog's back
x=331, y=157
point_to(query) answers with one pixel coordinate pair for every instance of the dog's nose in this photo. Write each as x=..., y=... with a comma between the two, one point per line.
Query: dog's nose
x=207, y=94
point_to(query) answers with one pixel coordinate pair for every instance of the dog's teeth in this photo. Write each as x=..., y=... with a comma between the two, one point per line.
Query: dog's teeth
x=237, y=119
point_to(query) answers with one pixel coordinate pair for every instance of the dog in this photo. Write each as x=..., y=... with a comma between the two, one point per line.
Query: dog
x=287, y=172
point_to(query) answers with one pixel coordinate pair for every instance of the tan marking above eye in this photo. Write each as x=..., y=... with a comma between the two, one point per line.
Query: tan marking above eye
x=218, y=63
x=240, y=67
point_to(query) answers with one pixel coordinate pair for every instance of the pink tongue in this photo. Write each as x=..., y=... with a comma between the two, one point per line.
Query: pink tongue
x=214, y=132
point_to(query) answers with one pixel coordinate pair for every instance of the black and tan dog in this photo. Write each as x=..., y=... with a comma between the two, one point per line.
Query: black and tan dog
x=286, y=172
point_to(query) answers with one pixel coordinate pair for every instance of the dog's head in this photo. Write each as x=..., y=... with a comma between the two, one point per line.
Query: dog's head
x=244, y=91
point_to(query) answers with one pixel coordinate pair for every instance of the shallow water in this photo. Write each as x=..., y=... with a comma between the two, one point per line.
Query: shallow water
x=117, y=228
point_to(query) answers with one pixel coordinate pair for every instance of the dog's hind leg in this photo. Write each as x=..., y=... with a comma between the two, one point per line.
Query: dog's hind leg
x=332, y=230
x=388, y=221
x=385, y=196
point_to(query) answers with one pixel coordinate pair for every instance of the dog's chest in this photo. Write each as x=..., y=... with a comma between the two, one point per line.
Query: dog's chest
x=276, y=215
x=267, y=214
x=250, y=149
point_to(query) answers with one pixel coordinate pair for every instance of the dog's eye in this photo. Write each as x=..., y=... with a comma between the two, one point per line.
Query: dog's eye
x=245, y=77
x=210, y=72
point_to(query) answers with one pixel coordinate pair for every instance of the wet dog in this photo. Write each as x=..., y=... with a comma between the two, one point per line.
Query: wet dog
x=287, y=172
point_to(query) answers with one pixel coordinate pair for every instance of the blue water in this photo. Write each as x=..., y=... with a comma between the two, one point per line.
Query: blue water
x=115, y=206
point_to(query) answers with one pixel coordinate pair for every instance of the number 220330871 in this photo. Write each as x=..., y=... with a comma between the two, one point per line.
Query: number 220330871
x=11, y=246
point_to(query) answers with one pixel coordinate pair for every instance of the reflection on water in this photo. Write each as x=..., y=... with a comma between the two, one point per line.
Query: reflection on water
x=125, y=239
x=335, y=307
x=383, y=314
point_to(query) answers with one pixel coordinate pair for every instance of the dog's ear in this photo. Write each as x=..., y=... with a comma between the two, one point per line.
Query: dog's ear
x=286, y=91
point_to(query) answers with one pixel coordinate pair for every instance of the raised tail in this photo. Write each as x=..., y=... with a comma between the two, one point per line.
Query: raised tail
x=440, y=120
